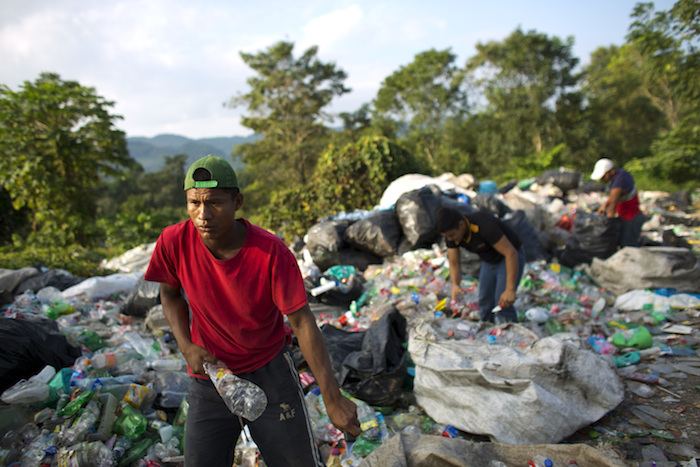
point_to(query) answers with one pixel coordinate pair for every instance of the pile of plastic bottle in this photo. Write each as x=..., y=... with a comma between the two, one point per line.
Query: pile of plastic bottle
x=122, y=402
x=102, y=410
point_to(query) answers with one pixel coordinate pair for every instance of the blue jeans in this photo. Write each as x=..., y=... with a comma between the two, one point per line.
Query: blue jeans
x=283, y=432
x=492, y=283
x=631, y=230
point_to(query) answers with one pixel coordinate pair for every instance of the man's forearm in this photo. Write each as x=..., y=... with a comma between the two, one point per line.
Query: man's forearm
x=512, y=265
x=177, y=314
x=313, y=347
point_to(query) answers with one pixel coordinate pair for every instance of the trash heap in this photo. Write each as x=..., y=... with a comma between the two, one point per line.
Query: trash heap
x=92, y=376
x=610, y=349
x=120, y=402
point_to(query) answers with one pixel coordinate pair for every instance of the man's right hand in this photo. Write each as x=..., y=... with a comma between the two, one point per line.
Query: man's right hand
x=196, y=355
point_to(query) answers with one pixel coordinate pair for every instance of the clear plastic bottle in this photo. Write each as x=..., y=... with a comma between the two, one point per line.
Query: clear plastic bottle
x=36, y=451
x=369, y=424
x=86, y=454
x=109, y=415
x=121, y=446
x=167, y=364
x=113, y=359
x=142, y=345
x=82, y=425
x=241, y=396
x=541, y=461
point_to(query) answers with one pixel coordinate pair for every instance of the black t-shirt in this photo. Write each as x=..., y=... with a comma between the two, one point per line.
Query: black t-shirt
x=484, y=231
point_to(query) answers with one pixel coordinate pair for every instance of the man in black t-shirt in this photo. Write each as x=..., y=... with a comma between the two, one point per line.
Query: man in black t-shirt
x=501, y=253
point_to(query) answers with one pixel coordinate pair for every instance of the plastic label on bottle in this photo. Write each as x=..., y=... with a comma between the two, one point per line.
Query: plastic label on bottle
x=135, y=395
x=449, y=432
x=369, y=424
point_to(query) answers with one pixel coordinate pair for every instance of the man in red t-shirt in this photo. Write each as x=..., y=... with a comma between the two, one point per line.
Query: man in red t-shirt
x=622, y=201
x=239, y=282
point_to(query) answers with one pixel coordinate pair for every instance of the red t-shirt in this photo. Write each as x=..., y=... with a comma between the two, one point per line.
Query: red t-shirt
x=237, y=305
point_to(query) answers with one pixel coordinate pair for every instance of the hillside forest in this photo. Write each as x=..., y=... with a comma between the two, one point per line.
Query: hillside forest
x=71, y=194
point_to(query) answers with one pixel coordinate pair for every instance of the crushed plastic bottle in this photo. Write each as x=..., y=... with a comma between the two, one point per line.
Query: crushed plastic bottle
x=82, y=425
x=142, y=345
x=241, y=396
x=369, y=424
x=131, y=423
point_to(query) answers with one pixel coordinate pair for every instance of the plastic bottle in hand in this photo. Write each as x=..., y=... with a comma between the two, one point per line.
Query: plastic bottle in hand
x=240, y=395
x=369, y=424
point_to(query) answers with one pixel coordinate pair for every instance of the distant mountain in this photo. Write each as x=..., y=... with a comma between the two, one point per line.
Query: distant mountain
x=150, y=152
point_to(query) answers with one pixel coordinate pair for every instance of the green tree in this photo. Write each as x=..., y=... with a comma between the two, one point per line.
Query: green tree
x=520, y=80
x=146, y=202
x=623, y=119
x=419, y=100
x=667, y=43
x=286, y=106
x=57, y=139
x=345, y=179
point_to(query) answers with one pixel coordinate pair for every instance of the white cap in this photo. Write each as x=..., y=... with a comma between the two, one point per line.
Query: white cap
x=602, y=167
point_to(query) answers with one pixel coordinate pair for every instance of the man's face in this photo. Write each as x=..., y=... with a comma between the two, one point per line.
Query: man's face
x=213, y=211
x=456, y=235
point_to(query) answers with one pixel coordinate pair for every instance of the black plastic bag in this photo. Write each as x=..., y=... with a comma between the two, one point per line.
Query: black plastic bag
x=51, y=278
x=144, y=296
x=565, y=180
x=340, y=344
x=529, y=237
x=491, y=203
x=416, y=212
x=10, y=279
x=379, y=233
x=593, y=236
x=325, y=241
x=376, y=373
x=28, y=346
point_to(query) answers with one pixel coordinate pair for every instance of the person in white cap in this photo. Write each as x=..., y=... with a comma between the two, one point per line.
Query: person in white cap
x=622, y=201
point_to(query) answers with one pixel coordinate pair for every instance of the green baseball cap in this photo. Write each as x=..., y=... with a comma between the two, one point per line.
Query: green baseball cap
x=211, y=172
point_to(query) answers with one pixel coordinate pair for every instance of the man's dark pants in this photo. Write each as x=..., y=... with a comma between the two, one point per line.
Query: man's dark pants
x=283, y=432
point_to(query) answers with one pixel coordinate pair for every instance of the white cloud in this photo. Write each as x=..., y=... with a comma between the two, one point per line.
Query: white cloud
x=170, y=64
x=326, y=30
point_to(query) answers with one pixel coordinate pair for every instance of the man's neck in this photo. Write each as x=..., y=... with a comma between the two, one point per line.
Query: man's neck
x=228, y=246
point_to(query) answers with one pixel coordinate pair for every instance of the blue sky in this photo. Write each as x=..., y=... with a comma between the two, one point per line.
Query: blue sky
x=169, y=65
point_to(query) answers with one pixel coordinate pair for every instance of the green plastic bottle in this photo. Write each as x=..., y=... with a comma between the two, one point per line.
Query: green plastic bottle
x=137, y=451
x=553, y=326
x=639, y=338
x=131, y=424
x=72, y=407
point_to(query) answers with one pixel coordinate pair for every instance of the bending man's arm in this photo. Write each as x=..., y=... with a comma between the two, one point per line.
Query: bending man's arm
x=453, y=257
x=504, y=247
x=177, y=313
x=611, y=203
x=609, y=207
x=340, y=409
